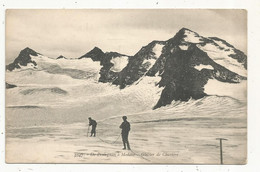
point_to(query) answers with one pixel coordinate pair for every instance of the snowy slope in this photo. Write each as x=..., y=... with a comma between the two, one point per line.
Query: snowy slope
x=119, y=63
x=192, y=37
x=186, y=131
x=157, y=50
x=217, y=49
x=221, y=57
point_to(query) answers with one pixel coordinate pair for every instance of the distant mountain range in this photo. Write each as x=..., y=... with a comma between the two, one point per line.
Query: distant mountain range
x=184, y=64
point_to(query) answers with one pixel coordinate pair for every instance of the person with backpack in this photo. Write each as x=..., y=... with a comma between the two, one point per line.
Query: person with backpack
x=92, y=123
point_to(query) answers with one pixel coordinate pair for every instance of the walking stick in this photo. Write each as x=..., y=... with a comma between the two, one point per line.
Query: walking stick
x=88, y=131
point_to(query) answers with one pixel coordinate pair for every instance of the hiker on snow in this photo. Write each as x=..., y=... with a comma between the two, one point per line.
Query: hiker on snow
x=125, y=126
x=94, y=125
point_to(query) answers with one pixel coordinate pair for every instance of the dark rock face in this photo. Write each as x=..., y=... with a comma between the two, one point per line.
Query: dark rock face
x=61, y=57
x=96, y=54
x=136, y=68
x=106, y=74
x=8, y=86
x=23, y=59
x=181, y=81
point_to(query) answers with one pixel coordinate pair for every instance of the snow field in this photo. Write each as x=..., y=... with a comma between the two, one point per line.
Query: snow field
x=119, y=63
x=222, y=58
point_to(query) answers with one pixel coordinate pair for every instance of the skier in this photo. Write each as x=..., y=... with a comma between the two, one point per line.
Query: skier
x=94, y=125
x=125, y=126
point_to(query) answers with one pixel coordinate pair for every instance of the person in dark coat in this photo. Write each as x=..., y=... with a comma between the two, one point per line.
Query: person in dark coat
x=125, y=126
x=92, y=123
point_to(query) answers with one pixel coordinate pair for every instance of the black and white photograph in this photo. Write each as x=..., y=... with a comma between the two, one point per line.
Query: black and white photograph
x=126, y=86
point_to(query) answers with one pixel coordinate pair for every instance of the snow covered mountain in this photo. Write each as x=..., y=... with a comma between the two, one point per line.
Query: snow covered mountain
x=23, y=60
x=140, y=64
x=187, y=66
x=191, y=61
x=112, y=63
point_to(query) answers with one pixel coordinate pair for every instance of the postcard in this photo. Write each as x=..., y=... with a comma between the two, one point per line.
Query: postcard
x=130, y=86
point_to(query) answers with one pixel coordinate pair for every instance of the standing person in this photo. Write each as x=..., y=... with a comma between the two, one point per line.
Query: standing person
x=125, y=126
x=94, y=125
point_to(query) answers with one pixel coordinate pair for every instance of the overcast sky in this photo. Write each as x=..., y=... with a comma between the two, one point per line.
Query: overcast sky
x=72, y=33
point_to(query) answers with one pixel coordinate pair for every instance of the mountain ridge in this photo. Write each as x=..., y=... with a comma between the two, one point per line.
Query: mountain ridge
x=184, y=64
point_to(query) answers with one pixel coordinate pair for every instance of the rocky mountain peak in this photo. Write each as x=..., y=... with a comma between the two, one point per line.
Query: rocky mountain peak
x=61, y=57
x=23, y=59
x=96, y=54
x=185, y=37
x=96, y=49
x=29, y=51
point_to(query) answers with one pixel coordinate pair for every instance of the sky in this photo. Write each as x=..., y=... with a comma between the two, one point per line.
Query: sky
x=72, y=33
